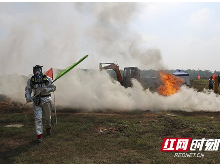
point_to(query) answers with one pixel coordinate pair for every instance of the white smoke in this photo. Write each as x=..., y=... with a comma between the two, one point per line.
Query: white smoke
x=58, y=34
x=92, y=90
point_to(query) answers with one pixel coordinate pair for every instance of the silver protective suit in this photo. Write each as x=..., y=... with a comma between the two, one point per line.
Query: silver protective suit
x=44, y=108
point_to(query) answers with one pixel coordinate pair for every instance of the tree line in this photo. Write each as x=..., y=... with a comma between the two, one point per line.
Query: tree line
x=204, y=74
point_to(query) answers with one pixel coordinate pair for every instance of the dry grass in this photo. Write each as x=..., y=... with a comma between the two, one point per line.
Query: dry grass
x=103, y=137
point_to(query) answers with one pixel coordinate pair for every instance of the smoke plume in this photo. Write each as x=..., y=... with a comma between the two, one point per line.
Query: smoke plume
x=58, y=34
x=92, y=90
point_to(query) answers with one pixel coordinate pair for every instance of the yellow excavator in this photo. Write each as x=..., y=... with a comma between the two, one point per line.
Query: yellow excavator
x=128, y=74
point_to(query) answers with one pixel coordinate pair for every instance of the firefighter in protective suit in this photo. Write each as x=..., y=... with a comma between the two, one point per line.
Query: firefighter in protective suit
x=42, y=84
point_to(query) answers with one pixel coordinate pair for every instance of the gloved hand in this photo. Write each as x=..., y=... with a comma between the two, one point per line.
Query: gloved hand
x=28, y=100
x=44, y=90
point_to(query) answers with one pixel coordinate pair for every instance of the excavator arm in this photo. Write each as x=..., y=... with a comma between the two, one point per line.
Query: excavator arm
x=114, y=67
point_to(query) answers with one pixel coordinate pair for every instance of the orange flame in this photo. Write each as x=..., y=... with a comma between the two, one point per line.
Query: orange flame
x=171, y=84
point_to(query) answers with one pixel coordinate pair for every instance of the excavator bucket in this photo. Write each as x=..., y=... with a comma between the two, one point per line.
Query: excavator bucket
x=111, y=66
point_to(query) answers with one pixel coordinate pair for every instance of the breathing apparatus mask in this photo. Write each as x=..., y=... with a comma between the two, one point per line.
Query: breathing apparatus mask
x=37, y=71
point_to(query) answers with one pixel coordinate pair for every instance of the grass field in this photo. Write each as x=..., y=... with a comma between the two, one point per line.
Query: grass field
x=103, y=137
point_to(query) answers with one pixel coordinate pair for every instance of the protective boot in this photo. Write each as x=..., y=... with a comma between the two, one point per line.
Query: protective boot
x=48, y=131
x=40, y=138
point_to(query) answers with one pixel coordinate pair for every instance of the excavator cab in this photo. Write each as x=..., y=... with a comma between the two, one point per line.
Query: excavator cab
x=129, y=73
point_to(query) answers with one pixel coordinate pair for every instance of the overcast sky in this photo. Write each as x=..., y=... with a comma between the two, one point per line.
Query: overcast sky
x=185, y=35
x=188, y=34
